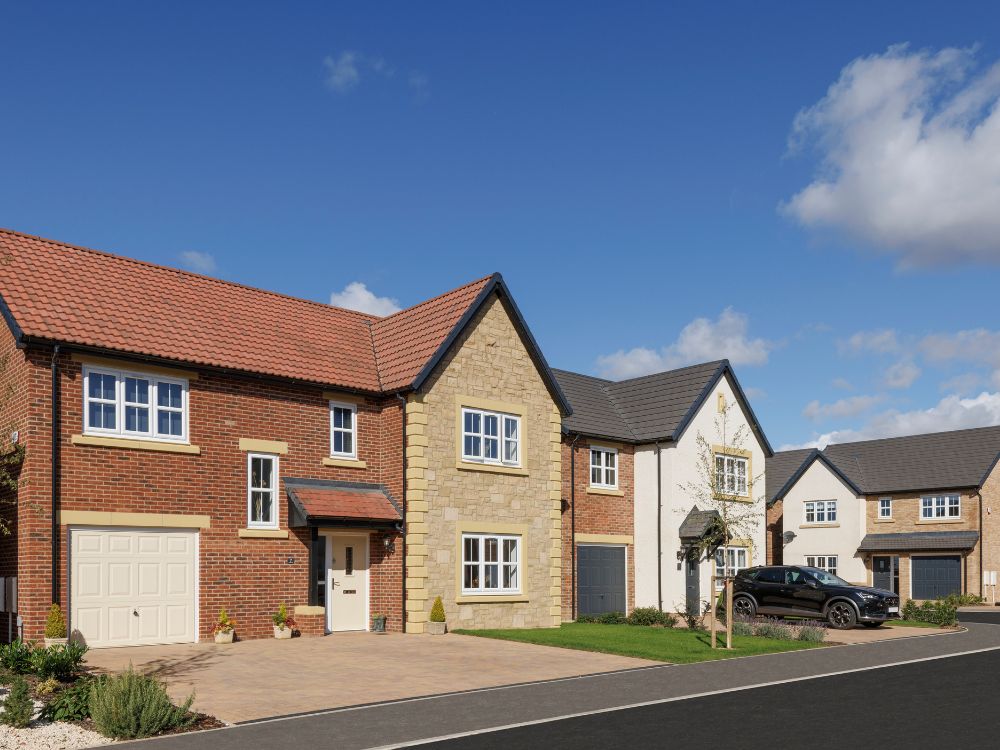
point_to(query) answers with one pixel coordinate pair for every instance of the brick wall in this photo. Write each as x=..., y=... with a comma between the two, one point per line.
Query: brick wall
x=249, y=577
x=596, y=513
x=775, y=529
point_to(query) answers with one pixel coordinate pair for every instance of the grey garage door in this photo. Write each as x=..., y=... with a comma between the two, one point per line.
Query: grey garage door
x=600, y=581
x=934, y=577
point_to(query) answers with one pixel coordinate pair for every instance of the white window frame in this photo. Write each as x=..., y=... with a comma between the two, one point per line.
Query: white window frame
x=740, y=484
x=154, y=381
x=502, y=563
x=275, y=479
x=353, y=432
x=730, y=554
x=502, y=441
x=884, y=503
x=823, y=562
x=822, y=511
x=603, y=466
x=943, y=502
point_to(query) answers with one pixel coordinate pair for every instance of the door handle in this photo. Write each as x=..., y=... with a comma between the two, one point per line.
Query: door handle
x=135, y=613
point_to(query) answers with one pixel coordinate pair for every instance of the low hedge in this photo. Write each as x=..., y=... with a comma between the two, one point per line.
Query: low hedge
x=640, y=616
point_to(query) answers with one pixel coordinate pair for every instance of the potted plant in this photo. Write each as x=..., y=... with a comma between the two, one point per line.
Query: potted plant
x=437, y=624
x=378, y=623
x=55, y=627
x=225, y=628
x=283, y=623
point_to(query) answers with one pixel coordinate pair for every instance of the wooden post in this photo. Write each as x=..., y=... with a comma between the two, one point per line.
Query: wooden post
x=711, y=606
x=729, y=613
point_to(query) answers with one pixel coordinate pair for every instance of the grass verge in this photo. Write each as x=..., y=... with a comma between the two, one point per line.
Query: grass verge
x=677, y=646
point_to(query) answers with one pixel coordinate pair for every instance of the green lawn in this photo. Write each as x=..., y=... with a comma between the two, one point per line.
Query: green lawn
x=679, y=646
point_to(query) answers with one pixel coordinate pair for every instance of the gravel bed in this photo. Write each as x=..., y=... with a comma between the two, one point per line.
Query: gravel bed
x=47, y=735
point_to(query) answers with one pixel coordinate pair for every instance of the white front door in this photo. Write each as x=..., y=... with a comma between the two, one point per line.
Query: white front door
x=132, y=586
x=347, y=582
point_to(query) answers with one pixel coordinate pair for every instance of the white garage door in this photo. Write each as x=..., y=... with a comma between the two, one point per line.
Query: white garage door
x=132, y=586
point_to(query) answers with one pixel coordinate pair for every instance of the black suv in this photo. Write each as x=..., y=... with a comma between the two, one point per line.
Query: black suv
x=796, y=591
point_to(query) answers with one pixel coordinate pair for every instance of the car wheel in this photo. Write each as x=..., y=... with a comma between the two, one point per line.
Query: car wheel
x=873, y=624
x=841, y=616
x=743, y=606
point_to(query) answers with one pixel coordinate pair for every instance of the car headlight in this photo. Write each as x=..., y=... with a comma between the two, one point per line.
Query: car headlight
x=867, y=597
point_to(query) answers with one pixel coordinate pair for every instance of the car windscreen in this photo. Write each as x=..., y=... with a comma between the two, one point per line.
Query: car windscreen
x=827, y=579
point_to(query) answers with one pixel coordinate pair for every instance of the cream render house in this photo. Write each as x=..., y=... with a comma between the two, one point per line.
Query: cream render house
x=483, y=477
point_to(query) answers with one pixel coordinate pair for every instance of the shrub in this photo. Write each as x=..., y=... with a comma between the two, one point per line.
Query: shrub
x=692, y=617
x=773, y=628
x=437, y=611
x=612, y=618
x=586, y=618
x=651, y=616
x=963, y=600
x=18, y=707
x=55, y=623
x=6, y=676
x=47, y=686
x=812, y=631
x=61, y=662
x=742, y=626
x=71, y=703
x=131, y=705
x=941, y=612
x=16, y=657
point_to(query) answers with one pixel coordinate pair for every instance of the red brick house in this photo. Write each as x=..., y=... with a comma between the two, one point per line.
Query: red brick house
x=193, y=444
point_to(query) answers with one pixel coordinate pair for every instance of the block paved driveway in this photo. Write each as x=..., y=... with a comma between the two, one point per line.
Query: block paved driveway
x=256, y=679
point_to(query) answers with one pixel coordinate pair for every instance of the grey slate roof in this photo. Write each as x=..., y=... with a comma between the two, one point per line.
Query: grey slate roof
x=644, y=409
x=938, y=460
x=697, y=522
x=919, y=540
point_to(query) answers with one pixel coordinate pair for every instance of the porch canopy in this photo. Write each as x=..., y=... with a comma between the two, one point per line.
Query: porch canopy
x=320, y=502
x=699, y=532
x=919, y=540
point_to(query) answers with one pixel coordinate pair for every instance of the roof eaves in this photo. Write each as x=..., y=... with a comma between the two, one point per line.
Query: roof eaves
x=11, y=321
x=840, y=475
x=496, y=284
x=796, y=475
x=993, y=464
x=696, y=404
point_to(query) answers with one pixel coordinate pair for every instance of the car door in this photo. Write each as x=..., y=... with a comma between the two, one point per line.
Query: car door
x=801, y=593
x=768, y=585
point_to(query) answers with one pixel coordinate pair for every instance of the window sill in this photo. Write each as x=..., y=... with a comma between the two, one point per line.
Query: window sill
x=263, y=533
x=309, y=609
x=491, y=468
x=605, y=491
x=135, y=444
x=491, y=599
x=345, y=463
x=819, y=525
x=933, y=521
x=885, y=520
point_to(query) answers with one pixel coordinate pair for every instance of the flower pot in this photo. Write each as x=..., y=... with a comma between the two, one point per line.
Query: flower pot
x=224, y=636
x=378, y=624
x=436, y=628
x=282, y=633
x=56, y=641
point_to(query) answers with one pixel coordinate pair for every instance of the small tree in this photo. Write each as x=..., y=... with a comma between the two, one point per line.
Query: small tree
x=55, y=623
x=724, y=485
x=437, y=611
x=18, y=707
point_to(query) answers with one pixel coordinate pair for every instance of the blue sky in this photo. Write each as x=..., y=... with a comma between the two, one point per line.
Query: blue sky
x=657, y=184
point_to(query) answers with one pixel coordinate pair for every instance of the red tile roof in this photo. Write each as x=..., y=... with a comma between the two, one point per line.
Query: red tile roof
x=346, y=502
x=75, y=295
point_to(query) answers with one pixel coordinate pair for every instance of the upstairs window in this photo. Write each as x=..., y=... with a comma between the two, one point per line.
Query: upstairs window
x=731, y=475
x=940, y=506
x=821, y=511
x=885, y=507
x=343, y=430
x=491, y=437
x=604, y=468
x=133, y=404
x=262, y=491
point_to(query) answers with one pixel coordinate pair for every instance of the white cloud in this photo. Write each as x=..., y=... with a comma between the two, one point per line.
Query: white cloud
x=356, y=296
x=902, y=374
x=342, y=72
x=197, y=261
x=843, y=384
x=963, y=384
x=845, y=407
x=950, y=413
x=910, y=156
x=701, y=340
x=882, y=341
